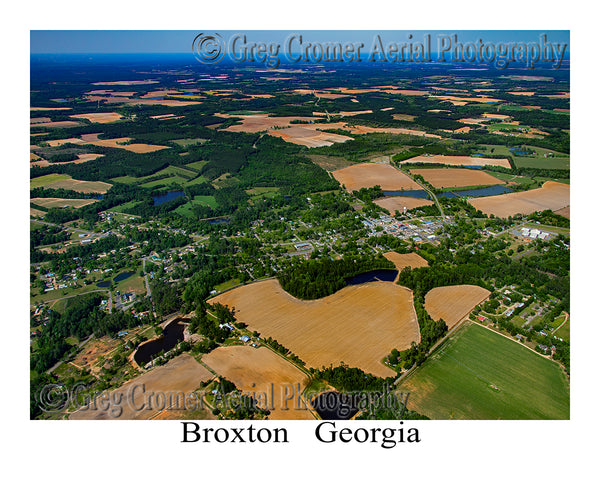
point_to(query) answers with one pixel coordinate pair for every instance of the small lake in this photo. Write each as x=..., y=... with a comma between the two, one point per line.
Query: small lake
x=518, y=151
x=123, y=276
x=373, y=276
x=160, y=199
x=104, y=284
x=172, y=335
x=219, y=221
x=477, y=192
x=408, y=193
x=335, y=406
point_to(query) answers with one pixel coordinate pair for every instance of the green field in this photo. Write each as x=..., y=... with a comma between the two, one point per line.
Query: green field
x=177, y=175
x=553, y=159
x=205, y=200
x=186, y=142
x=196, y=166
x=47, y=179
x=479, y=374
x=564, y=332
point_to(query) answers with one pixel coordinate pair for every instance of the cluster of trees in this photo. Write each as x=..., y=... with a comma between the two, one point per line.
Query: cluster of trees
x=283, y=350
x=209, y=327
x=350, y=379
x=318, y=278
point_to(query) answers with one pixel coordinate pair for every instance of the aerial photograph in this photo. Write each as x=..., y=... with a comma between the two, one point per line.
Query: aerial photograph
x=299, y=225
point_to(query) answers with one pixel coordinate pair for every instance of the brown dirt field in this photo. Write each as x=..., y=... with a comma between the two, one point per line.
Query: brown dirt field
x=35, y=121
x=403, y=117
x=81, y=158
x=117, y=143
x=398, y=203
x=47, y=109
x=309, y=137
x=261, y=371
x=93, y=350
x=181, y=375
x=496, y=116
x=527, y=94
x=357, y=325
x=58, y=143
x=552, y=195
x=259, y=123
x=565, y=212
x=370, y=174
x=330, y=163
x=140, y=101
x=62, y=124
x=454, y=302
x=106, y=117
x=460, y=160
x=34, y=212
x=62, y=202
x=403, y=260
x=80, y=186
x=465, y=100
x=455, y=177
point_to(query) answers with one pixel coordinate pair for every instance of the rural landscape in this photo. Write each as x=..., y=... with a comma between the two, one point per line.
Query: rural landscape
x=232, y=241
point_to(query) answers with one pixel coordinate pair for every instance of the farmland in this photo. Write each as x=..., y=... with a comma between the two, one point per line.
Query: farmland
x=453, y=302
x=552, y=195
x=182, y=376
x=406, y=260
x=54, y=181
x=455, y=177
x=364, y=322
x=265, y=374
x=62, y=202
x=367, y=175
x=392, y=204
x=460, y=160
x=478, y=374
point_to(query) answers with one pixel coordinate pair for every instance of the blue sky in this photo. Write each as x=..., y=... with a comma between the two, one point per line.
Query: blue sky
x=180, y=41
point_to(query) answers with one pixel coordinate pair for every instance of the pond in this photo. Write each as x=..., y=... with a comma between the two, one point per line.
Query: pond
x=160, y=199
x=408, y=193
x=172, y=335
x=335, y=405
x=104, y=284
x=373, y=276
x=123, y=276
x=518, y=151
x=219, y=221
x=477, y=192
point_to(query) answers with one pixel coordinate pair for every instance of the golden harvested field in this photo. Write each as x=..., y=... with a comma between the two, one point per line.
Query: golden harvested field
x=182, y=376
x=403, y=260
x=47, y=109
x=106, y=117
x=34, y=212
x=362, y=175
x=81, y=158
x=552, y=195
x=262, y=122
x=453, y=302
x=465, y=100
x=58, y=143
x=455, y=177
x=398, y=203
x=357, y=325
x=309, y=137
x=62, y=202
x=64, y=181
x=459, y=160
x=264, y=374
x=121, y=143
x=565, y=212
